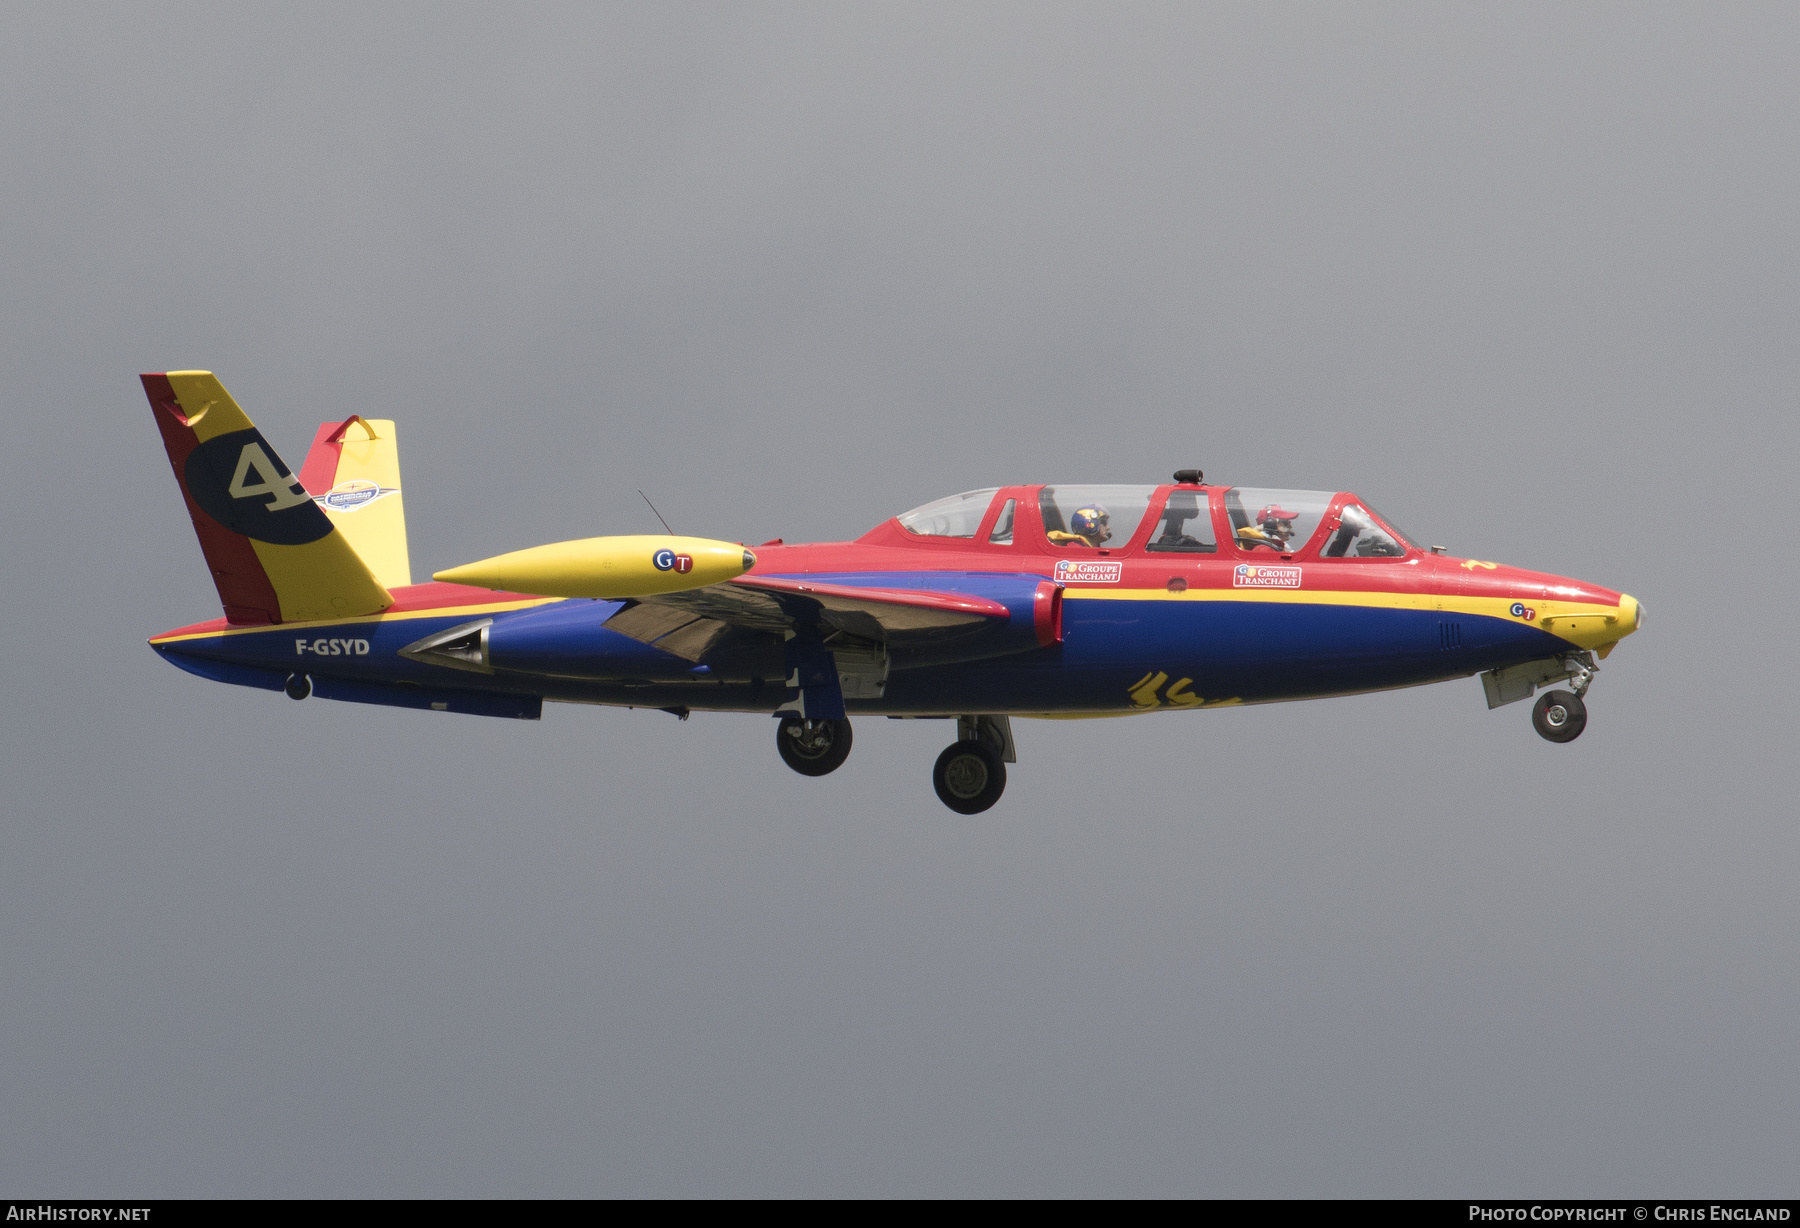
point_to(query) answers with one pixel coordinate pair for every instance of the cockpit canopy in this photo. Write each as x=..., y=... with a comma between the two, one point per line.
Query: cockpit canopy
x=1179, y=520
x=956, y=516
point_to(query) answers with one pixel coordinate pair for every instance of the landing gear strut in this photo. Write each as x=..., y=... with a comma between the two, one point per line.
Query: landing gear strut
x=813, y=748
x=1560, y=716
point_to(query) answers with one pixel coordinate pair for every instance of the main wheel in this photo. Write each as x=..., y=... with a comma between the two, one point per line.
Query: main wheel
x=1559, y=716
x=813, y=748
x=969, y=777
x=298, y=686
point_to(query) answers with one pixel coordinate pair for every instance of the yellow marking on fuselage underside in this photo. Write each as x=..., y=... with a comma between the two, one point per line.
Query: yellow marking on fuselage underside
x=470, y=611
x=1233, y=702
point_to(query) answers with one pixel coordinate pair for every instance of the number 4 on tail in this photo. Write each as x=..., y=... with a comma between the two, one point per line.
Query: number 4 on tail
x=285, y=490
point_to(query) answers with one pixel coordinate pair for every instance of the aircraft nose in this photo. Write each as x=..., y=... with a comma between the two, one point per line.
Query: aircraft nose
x=1631, y=613
x=1595, y=623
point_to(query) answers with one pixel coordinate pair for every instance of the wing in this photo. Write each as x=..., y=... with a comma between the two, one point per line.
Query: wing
x=691, y=622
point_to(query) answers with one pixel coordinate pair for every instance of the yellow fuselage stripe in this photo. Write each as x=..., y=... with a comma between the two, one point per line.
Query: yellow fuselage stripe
x=470, y=611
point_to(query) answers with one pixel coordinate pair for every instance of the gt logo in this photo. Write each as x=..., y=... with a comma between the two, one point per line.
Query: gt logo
x=668, y=560
x=332, y=648
x=284, y=490
x=1521, y=610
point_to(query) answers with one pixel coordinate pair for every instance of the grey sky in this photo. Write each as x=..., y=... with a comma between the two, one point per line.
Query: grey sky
x=1525, y=277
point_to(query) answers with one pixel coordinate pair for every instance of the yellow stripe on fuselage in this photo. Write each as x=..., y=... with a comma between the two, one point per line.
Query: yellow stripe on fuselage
x=466, y=611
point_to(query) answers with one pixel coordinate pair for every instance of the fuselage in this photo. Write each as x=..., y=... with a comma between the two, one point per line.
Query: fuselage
x=1094, y=626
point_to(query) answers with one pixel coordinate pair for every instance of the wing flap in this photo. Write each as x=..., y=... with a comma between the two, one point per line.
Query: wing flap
x=686, y=634
x=674, y=621
x=895, y=609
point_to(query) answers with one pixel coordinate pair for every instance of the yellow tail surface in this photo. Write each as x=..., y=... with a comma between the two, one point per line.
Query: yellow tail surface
x=275, y=556
x=353, y=474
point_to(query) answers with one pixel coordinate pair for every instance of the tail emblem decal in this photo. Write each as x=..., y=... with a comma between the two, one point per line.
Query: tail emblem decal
x=353, y=495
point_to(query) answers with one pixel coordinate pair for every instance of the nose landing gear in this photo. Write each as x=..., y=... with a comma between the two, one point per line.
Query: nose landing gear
x=1560, y=716
x=813, y=748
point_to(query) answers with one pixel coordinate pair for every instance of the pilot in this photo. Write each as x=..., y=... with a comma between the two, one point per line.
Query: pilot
x=1274, y=528
x=1092, y=526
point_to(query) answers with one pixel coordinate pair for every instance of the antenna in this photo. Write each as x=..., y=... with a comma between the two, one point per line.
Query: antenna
x=657, y=514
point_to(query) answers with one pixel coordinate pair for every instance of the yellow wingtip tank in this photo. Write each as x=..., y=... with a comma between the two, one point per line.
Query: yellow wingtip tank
x=609, y=567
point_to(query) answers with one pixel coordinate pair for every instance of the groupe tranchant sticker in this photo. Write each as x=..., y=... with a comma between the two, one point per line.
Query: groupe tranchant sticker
x=1082, y=571
x=1247, y=575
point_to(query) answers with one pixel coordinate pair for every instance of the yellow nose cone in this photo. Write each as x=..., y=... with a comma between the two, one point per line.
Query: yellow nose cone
x=1593, y=626
x=1631, y=614
x=615, y=567
x=1610, y=630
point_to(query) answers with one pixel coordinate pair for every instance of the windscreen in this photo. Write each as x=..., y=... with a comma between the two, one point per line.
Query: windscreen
x=957, y=516
x=1359, y=536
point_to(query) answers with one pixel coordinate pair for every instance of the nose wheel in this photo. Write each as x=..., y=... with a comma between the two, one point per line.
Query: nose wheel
x=813, y=748
x=1559, y=716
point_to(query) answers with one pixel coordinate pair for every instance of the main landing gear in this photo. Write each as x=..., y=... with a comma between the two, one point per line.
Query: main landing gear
x=969, y=776
x=813, y=748
x=1560, y=716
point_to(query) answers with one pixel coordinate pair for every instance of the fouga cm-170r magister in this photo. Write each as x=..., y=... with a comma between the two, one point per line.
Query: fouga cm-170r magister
x=1048, y=601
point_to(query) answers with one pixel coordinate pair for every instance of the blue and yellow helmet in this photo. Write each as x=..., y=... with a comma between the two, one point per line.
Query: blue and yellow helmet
x=1091, y=521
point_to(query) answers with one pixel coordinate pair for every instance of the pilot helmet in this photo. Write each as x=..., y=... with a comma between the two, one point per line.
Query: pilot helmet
x=1275, y=515
x=1092, y=521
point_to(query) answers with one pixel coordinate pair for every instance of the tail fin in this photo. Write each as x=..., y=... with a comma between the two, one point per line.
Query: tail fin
x=275, y=556
x=353, y=472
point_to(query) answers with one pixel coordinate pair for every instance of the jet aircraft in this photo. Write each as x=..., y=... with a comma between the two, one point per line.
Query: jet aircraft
x=1056, y=601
